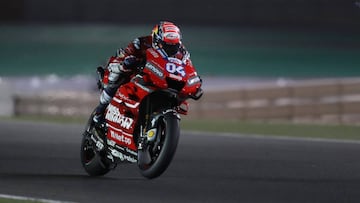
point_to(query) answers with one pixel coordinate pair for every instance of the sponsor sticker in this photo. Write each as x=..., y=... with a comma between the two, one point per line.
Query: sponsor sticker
x=154, y=69
x=153, y=52
x=193, y=80
x=175, y=60
x=171, y=35
x=120, y=138
x=122, y=156
x=113, y=114
x=176, y=77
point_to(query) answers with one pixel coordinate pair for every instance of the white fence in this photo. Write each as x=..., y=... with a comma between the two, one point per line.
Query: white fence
x=6, y=101
x=331, y=101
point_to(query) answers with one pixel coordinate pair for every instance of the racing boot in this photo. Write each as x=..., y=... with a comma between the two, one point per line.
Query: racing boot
x=99, y=115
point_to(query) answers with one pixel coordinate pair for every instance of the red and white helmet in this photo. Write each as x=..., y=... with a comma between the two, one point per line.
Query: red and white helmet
x=166, y=36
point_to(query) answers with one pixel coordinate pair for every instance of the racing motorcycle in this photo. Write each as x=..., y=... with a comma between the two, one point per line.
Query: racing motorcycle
x=142, y=119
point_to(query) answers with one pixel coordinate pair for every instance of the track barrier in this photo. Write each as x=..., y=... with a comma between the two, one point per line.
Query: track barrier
x=324, y=101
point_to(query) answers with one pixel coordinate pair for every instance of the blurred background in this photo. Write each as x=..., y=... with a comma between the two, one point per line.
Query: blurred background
x=260, y=59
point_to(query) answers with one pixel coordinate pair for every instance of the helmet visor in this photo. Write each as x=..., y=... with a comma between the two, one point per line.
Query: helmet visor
x=171, y=49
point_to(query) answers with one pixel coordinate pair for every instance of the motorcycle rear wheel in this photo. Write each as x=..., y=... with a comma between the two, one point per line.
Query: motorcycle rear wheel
x=91, y=160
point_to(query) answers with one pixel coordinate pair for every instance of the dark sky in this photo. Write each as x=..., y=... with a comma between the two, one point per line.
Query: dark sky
x=294, y=13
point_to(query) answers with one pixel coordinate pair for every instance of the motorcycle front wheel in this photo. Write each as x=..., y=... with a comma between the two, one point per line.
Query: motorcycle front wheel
x=164, y=151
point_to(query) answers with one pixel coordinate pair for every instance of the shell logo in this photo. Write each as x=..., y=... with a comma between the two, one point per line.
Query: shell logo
x=151, y=134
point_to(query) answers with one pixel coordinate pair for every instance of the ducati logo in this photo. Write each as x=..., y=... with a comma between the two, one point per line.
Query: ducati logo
x=113, y=114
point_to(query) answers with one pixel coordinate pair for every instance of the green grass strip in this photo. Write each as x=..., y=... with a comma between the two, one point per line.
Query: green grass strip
x=7, y=200
x=348, y=132
x=275, y=129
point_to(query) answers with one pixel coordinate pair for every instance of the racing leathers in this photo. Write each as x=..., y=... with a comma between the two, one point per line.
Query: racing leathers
x=125, y=64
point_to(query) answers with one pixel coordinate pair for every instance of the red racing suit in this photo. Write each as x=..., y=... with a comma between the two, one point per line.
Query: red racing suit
x=126, y=63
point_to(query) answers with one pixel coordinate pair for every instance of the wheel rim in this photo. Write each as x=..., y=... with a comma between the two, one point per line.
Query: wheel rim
x=156, y=148
x=88, y=152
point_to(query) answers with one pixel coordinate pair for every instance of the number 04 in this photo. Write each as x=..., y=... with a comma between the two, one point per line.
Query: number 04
x=172, y=68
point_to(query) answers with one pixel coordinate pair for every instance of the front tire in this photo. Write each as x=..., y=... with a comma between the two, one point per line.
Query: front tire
x=170, y=132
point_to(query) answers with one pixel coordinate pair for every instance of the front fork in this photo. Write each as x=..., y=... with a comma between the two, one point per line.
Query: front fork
x=149, y=132
x=150, y=136
x=157, y=105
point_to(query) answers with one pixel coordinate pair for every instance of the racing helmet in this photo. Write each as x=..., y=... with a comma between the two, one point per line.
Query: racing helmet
x=166, y=36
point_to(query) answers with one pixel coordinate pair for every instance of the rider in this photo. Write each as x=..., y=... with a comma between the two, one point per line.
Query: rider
x=165, y=37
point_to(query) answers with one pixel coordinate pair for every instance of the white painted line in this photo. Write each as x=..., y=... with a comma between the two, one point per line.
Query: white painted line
x=273, y=137
x=14, y=197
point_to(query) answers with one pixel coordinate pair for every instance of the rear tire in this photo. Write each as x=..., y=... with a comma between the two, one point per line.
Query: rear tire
x=171, y=138
x=90, y=158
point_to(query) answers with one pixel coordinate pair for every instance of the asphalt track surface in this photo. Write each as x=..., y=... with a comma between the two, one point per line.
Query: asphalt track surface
x=41, y=160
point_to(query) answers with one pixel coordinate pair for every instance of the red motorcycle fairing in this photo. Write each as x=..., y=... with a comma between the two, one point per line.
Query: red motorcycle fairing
x=168, y=72
x=161, y=73
x=121, y=116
